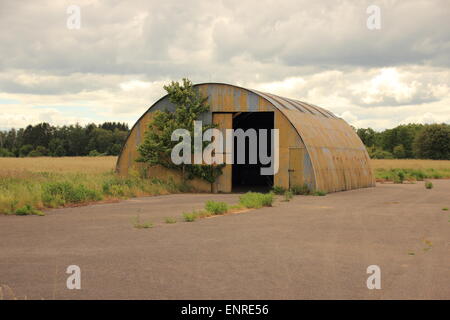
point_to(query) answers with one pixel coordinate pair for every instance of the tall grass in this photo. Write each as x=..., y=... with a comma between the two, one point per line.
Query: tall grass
x=216, y=207
x=399, y=175
x=399, y=170
x=58, y=164
x=50, y=189
x=409, y=164
x=256, y=200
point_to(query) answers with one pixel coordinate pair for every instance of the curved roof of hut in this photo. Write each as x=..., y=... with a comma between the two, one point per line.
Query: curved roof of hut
x=339, y=159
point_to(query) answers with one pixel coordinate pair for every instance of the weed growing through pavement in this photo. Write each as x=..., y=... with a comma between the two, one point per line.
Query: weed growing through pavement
x=141, y=225
x=171, y=220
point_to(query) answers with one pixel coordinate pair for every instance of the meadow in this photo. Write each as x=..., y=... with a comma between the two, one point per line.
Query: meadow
x=28, y=185
x=399, y=170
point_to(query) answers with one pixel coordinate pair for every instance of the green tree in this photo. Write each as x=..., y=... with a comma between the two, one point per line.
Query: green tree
x=368, y=136
x=399, y=152
x=38, y=135
x=6, y=153
x=101, y=140
x=114, y=150
x=157, y=145
x=433, y=142
x=378, y=153
x=25, y=150
x=77, y=140
x=56, y=147
x=43, y=151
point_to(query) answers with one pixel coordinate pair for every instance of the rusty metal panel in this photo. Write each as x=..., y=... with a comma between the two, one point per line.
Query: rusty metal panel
x=339, y=159
x=288, y=138
x=296, y=168
x=224, y=182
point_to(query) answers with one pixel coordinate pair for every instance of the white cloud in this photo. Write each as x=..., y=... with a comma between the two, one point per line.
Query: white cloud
x=134, y=84
x=349, y=117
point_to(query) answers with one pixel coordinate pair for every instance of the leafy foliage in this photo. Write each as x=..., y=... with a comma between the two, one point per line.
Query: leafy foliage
x=433, y=142
x=288, y=195
x=278, y=190
x=408, y=141
x=190, y=216
x=378, y=153
x=74, y=140
x=256, y=200
x=303, y=189
x=51, y=190
x=216, y=207
x=28, y=210
x=157, y=145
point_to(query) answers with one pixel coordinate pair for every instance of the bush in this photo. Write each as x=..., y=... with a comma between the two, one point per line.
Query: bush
x=171, y=220
x=399, y=152
x=419, y=175
x=25, y=150
x=118, y=187
x=141, y=225
x=34, y=154
x=278, y=190
x=95, y=153
x=215, y=207
x=304, y=189
x=378, y=153
x=60, y=193
x=256, y=200
x=28, y=210
x=436, y=175
x=288, y=195
x=40, y=151
x=399, y=176
x=429, y=185
x=190, y=216
x=6, y=153
x=319, y=193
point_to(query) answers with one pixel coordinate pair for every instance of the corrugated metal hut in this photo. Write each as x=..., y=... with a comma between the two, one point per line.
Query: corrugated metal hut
x=315, y=147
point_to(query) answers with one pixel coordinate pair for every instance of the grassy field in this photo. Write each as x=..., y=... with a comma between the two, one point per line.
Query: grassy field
x=30, y=184
x=12, y=166
x=410, y=164
x=399, y=170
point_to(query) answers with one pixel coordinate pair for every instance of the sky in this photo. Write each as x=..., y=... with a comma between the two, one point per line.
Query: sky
x=113, y=67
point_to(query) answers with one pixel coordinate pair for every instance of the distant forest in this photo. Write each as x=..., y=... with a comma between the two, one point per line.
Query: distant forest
x=44, y=139
x=411, y=141
x=402, y=142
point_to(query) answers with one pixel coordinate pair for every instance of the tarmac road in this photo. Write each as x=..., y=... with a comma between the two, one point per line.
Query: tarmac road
x=308, y=248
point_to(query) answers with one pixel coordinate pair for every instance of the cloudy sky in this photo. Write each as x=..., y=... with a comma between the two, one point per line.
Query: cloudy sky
x=113, y=67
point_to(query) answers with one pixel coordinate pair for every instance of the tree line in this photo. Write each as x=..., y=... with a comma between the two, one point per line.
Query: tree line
x=411, y=141
x=402, y=142
x=44, y=139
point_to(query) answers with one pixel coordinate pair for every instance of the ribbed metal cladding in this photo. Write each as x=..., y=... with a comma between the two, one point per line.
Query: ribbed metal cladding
x=337, y=159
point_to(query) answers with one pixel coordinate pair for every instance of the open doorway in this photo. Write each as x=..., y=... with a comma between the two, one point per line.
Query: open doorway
x=248, y=176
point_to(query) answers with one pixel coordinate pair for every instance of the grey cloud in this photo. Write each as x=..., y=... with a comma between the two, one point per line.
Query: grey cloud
x=141, y=37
